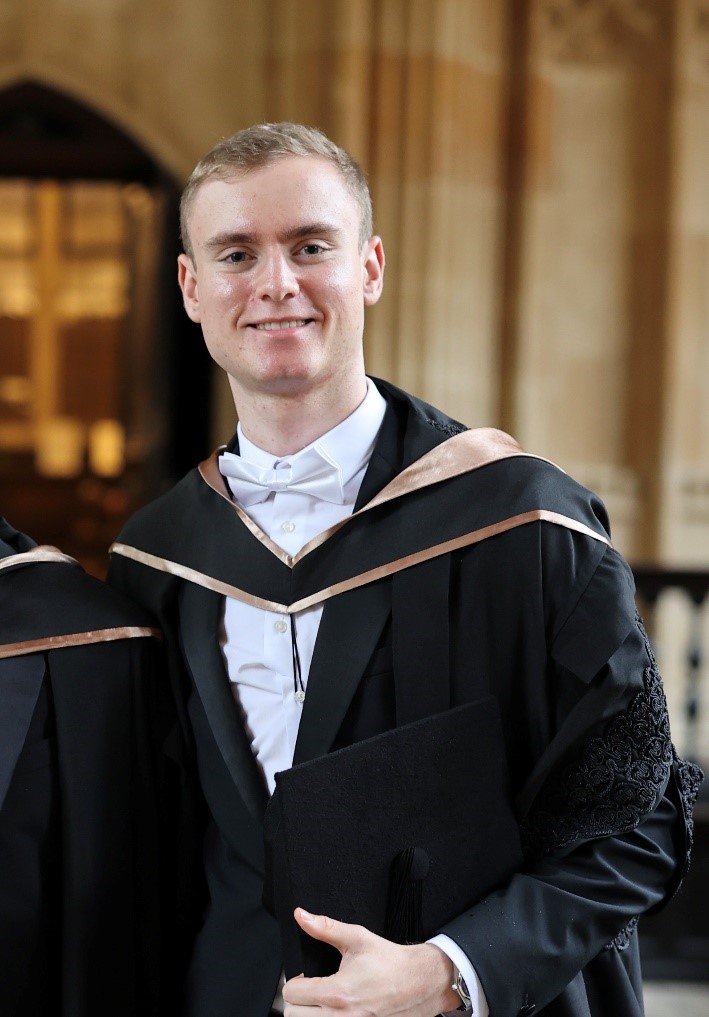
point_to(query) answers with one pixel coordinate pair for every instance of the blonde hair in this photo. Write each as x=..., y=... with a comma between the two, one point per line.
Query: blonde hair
x=261, y=144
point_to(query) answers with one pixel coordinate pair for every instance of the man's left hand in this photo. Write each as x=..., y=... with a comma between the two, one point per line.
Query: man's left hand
x=377, y=978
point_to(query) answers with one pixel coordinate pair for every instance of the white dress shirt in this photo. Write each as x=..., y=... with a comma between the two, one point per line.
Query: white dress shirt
x=257, y=644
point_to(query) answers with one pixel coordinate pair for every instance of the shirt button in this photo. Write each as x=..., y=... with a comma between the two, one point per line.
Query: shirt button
x=287, y=527
x=280, y=626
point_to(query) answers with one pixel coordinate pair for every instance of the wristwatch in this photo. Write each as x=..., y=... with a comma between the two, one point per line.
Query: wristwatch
x=461, y=989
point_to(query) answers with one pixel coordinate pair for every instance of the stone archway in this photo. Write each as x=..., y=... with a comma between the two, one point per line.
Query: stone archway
x=104, y=385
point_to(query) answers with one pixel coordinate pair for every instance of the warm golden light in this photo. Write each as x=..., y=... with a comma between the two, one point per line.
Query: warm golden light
x=59, y=447
x=107, y=448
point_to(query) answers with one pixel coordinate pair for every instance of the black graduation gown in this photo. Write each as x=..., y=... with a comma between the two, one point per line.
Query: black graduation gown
x=467, y=568
x=79, y=908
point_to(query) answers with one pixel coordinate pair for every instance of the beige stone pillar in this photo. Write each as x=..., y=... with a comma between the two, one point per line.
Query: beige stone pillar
x=436, y=168
x=593, y=257
x=684, y=454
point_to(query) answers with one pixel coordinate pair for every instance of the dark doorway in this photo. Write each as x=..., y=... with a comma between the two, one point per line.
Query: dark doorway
x=104, y=381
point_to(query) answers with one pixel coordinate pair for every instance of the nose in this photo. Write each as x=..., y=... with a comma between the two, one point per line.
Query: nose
x=276, y=279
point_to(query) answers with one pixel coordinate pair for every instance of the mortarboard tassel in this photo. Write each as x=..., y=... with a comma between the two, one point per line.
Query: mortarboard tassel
x=403, y=919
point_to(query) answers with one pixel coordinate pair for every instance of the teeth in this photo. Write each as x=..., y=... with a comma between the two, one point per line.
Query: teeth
x=273, y=325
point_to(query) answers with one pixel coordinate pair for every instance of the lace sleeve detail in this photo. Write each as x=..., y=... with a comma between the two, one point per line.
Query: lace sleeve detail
x=689, y=777
x=615, y=781
x=625, y=937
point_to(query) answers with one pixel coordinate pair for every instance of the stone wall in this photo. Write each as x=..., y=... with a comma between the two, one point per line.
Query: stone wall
x=539, y=171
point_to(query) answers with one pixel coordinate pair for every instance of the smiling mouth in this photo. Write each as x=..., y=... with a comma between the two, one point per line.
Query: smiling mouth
x=275, y=326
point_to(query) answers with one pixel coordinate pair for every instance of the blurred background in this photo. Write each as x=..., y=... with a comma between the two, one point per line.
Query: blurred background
x=540, y=173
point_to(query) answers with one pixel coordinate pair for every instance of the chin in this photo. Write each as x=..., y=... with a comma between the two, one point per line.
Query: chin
x=291, y=374
x=292, y=383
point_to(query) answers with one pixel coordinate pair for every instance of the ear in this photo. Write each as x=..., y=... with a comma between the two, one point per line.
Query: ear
x=373, y=270
x=187, y=278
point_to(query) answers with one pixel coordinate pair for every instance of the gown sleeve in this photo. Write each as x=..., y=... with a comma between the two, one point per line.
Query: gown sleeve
x=605, y=813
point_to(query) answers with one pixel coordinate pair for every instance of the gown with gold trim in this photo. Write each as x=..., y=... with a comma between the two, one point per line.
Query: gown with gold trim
x=467, y=567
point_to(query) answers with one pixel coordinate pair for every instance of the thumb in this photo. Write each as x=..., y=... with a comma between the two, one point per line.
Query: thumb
x=342, y=936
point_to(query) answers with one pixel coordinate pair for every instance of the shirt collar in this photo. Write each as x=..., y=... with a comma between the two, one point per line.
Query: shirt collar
x=349, y=444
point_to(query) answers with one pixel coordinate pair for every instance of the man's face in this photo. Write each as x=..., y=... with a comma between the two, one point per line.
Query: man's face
x=278, y=281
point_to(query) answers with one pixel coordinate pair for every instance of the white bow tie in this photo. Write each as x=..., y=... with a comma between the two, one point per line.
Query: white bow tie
x=312, y=473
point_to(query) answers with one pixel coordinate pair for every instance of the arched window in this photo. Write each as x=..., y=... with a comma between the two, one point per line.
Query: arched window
x=103, y=382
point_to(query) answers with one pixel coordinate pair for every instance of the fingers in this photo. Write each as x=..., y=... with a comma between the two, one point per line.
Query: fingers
x=342, y=936
x=375, y=975
x=330, y=994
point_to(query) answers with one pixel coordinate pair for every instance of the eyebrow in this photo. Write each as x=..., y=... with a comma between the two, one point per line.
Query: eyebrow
x=228, y=237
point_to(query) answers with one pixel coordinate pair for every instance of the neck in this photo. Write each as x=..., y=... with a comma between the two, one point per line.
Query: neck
x=284, y=424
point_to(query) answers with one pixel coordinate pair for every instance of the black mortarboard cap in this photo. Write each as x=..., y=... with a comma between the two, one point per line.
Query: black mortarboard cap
x=400, y=833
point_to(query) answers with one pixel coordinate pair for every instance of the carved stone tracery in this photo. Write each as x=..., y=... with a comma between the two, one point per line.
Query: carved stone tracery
x=595, y=30
x=698, y=41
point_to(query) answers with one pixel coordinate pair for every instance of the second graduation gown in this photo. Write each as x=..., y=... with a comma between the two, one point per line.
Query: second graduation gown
x=467, y=568
x=79, y=863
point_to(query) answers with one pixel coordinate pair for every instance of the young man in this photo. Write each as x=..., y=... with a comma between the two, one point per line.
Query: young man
x=79, y=865
x=354, y=548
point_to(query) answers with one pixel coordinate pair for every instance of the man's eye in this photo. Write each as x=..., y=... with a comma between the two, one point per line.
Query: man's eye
x=312, y=249
x=235, y=258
